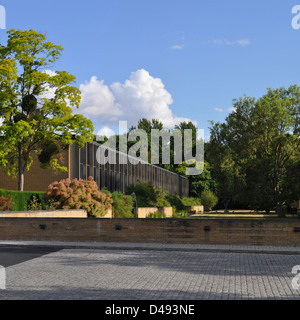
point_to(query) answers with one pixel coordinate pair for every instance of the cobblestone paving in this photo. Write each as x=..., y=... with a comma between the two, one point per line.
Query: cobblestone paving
x=152, y=275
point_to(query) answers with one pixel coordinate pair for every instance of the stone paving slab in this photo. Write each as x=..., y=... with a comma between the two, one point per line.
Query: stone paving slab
x=106, y=272
x=92, y=274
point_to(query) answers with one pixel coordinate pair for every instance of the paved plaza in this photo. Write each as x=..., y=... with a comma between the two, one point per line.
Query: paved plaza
x=150, y=272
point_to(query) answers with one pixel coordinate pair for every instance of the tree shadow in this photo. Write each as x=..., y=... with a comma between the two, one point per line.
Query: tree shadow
x=209, y=263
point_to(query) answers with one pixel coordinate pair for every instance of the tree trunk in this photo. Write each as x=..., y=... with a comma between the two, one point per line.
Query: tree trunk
x=278, y=202
x=21, y=170
x=279, y=209
x=21, y=181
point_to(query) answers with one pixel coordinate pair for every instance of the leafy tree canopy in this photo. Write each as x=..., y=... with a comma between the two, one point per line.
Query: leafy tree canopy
x=36, y=104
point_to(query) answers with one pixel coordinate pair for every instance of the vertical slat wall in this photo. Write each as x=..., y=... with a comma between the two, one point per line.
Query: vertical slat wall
x=116, y=177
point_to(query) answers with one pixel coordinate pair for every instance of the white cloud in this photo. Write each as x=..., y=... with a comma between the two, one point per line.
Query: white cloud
x=216, y=41
x=49, y=93
x=218, y=109
x=98, y=100
x=177, y=47
x=244, y=42
x=241, y=42
x=141, y=96
x=232, y=109
x=106, y=131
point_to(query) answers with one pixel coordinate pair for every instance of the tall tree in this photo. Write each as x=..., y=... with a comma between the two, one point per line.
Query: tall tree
x=262, y=137
x=33, y=120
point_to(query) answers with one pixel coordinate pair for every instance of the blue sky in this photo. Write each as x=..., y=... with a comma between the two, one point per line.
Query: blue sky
x=168, y=58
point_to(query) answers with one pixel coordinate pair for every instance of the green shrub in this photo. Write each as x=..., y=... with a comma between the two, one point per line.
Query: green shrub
x=145, y=194
x=179, y=215
x=35, y=204
x=80, y=194
x=122, y=206
x=209, y=200
x=161, y=200
x=189, y=202
x=148, y=196
x=179, y=204
x=49, y=205
x=176, y=203
x=157, y=215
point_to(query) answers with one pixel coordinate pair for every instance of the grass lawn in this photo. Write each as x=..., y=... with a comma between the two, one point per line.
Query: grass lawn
x=239, y=214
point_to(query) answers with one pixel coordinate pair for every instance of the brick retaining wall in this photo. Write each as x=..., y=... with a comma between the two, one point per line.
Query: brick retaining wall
x=182, y=231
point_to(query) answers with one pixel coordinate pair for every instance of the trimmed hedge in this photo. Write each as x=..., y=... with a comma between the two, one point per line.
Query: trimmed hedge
x=22, y=199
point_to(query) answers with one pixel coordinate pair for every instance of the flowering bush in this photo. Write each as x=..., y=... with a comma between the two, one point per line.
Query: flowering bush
x=6, y=203
x=80, y=194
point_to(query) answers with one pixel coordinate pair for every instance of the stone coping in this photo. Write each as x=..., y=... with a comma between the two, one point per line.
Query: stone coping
x=45, y=214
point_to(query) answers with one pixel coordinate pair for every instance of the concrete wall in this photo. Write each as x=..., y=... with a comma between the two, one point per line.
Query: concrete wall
x=184, y=231
x=108, y=215
x=143, y=213
x=198, y=209
x=168, y=211
x=52, y=214
x=45, y=214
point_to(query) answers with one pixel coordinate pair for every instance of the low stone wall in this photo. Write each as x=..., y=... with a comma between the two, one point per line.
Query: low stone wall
x=197, y=209
x=52, y=214
x=168, y=211
x=143, y=213
x=269, y=232
x=109, y=215
x=45, y=214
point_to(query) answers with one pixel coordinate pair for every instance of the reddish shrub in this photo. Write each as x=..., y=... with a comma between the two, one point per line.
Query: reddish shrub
x=80, y=194
x=6, y=203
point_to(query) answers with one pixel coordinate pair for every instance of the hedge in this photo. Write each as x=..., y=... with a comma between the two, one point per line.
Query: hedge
x=22, y=199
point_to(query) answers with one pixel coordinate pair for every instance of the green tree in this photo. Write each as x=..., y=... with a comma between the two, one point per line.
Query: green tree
x=226, y=172
x=262, y=139
x=209, y=199
x=202, y=182
x=148, y=126
x=32, y=120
